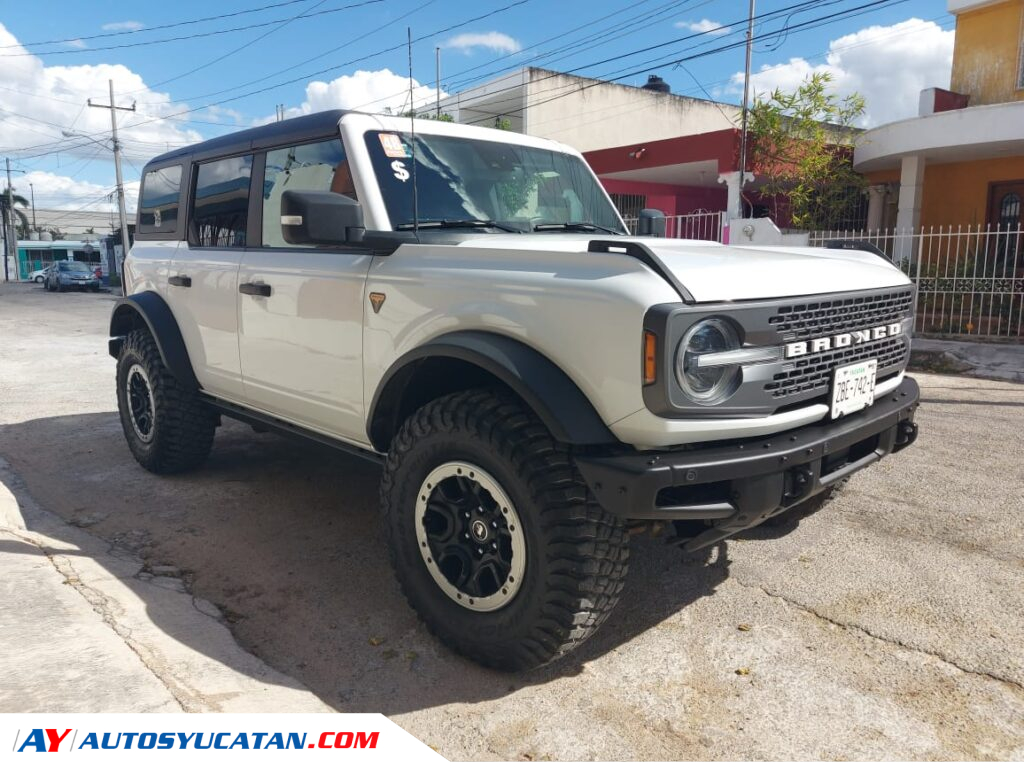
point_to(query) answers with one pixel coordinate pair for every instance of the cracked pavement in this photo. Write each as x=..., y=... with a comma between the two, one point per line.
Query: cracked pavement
x=888, y=626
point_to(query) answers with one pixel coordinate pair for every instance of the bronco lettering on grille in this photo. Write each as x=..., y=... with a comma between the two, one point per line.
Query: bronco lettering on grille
x=825, y=343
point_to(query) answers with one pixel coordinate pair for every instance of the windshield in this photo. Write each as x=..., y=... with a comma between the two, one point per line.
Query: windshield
x=464, y=180
x=72, y=266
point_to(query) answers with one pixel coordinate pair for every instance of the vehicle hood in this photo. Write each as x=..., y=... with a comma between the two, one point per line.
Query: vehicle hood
x=713, y=272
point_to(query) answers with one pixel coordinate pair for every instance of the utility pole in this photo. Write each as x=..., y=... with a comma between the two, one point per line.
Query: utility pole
x=7, y=220
x=746, y=98
x=117, y=165
x=32, y=189
x=437, y=68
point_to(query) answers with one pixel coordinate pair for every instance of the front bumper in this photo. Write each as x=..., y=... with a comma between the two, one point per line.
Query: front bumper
x=742, y=483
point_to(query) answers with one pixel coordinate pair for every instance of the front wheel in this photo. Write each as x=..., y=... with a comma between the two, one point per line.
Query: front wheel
x=496, y=541
x=168, y=428
x=38, y=279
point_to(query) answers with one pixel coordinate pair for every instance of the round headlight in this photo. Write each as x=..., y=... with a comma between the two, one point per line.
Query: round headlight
x=707, y=385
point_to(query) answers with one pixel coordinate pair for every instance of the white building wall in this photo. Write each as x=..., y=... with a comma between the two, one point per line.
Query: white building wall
x=563, y=108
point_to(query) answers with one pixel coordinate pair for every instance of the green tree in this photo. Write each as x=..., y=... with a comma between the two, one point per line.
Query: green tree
x=14, y=200
x=800, y=147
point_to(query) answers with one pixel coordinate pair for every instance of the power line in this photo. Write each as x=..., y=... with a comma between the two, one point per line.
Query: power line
x=145, y=29
x=819, y=21
x=246, y=45
x=334, y=67
x=350, y=62
x=194, y=36
x=706, y=34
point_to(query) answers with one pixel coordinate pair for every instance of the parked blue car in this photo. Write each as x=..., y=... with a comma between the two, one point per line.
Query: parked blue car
x=64, y=275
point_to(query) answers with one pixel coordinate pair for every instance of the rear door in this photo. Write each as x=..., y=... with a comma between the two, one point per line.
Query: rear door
x=300, y=308
x=203, y=285
x=158, y=229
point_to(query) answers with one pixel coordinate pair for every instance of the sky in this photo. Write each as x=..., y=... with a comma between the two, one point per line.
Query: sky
x=192, y=77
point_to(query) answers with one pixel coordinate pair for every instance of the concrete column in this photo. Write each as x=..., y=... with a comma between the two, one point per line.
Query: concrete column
x=734, y=204
x=876, y=205
x=908, y=216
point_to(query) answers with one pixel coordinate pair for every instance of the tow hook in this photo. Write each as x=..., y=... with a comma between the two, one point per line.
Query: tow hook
x=906, y=434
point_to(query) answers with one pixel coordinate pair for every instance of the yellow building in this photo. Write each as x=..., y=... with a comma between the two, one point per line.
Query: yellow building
x=961, y=161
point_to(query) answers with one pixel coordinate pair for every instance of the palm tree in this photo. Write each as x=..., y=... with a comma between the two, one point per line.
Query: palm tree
x=8, y=199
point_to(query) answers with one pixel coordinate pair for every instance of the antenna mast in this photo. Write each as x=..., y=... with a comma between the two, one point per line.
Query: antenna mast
x=412, y=130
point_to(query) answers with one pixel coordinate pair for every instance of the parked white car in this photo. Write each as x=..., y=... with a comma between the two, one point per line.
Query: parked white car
x=467, y=308
x=39, y=275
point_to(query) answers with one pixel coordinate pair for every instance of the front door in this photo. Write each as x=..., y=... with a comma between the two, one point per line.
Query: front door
x=300, y=308
x=1006, y=220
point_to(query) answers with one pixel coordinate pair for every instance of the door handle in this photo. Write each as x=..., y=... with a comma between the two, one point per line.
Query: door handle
x=254, y=289
x=182, y=281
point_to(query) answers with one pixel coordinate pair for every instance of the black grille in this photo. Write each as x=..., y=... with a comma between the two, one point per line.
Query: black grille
x=811, y=319
x=815, y=372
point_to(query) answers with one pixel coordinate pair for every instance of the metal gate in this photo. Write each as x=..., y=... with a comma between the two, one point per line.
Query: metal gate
x=970, y=279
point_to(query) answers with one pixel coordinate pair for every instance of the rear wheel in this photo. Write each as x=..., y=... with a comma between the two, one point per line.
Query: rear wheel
x=495, y=538
x=168, y=428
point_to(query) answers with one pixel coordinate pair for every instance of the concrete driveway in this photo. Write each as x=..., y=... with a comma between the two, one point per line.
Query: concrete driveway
x=890, y=625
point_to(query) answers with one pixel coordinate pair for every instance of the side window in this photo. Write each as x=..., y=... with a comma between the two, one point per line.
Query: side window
x=158, y=206
x=318, y=167
x=220, y=207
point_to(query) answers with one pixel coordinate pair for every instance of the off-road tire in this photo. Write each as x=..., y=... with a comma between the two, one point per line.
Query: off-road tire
x=182, y=425
x=806, y=508
x=576, y=552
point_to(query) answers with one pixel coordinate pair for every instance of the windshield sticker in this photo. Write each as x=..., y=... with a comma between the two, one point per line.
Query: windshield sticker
x=401, y=172
x=392, y=144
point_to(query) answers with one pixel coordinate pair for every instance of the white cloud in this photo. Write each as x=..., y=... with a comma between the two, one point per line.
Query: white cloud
x=37, y=102
x=704, y=25
x=118, y=26
x=888, y=66
x=495, y=41
x=52, y=190
x=369, y=91
x=76, y=43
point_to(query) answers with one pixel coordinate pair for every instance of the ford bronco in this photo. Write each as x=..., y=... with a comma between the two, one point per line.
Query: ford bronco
x=466, y=307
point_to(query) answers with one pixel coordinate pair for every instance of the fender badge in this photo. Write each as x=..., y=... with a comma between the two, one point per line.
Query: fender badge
x=377, y=300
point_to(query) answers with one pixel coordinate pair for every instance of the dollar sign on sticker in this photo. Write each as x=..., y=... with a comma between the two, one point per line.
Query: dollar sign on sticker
x=401, y=173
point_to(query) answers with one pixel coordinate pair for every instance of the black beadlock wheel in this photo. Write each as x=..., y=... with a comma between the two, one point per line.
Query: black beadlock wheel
x=495, y=538
x=167, y=427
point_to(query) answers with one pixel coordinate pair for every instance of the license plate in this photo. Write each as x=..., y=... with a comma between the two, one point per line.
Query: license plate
x=853, y=387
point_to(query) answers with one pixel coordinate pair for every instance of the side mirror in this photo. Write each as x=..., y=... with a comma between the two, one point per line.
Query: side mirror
x=320, y=218
x=651, y=223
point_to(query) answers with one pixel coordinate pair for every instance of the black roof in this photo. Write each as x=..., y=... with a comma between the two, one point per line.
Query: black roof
x=296, y=129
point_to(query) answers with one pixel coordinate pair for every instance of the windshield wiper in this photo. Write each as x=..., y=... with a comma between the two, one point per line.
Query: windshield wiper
x=457, y=224
x=574, y=226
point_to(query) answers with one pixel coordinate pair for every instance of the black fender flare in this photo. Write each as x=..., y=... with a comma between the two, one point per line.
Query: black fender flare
x=154, y=312
x=540, y=383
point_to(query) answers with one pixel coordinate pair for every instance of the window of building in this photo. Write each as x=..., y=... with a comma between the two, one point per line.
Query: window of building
x=220, y=209
x=158, y=205
x=318, y=167
x=629, y=206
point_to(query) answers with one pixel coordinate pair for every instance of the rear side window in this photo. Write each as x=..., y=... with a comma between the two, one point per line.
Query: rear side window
x=158, y=207
x=220, y=208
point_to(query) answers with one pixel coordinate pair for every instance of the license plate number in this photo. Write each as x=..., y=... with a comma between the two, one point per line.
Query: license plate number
x=853, y=387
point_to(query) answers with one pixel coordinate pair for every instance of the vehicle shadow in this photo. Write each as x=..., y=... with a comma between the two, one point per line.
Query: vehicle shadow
x=283, y=537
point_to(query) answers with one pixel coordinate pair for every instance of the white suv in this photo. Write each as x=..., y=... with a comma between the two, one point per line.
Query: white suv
x=466, y=307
